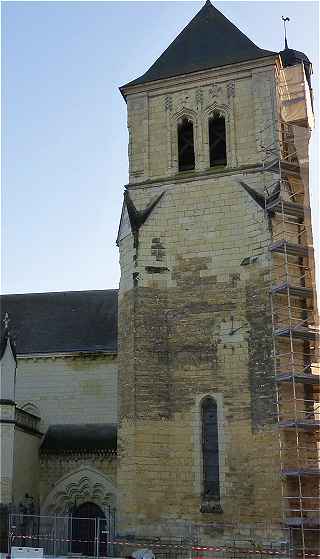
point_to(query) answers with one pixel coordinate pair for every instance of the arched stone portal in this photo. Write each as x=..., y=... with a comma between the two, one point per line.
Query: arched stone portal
x=80, y=511
x=80, y=486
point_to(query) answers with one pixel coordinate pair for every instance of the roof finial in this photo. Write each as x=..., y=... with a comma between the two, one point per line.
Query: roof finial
x=285, y=19
x=6, y=321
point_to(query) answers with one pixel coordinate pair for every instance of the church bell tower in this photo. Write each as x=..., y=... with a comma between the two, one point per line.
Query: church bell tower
x=198, y=387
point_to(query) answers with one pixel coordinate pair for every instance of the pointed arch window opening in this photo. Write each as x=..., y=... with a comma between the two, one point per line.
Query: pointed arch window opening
x=186, y=155
x=210, y=449
x=217, y=139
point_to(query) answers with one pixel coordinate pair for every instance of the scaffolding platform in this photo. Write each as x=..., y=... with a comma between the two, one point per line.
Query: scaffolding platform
x=281, y=164
x=296, y=521
x=302, y=472
x=298, y=332
x=294, y=290
x=288, y=208
x=303, y=378
x=289, y=167
x=285, y=247
x=300, y=424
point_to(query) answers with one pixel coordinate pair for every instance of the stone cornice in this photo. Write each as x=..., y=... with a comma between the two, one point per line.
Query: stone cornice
x=22, y=427
x=232, y=71
x=78, y=453
x=192, y=176
x=70, y=355
x=5, y=402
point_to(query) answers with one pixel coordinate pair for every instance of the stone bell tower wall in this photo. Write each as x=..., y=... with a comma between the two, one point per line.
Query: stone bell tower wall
x=194, y=317
x=244, y=92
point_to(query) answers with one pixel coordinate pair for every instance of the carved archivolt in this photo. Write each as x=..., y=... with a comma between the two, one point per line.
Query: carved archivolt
x=80, y=486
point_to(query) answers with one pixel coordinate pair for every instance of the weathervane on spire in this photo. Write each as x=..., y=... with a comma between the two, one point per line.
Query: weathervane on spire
x=285, y=19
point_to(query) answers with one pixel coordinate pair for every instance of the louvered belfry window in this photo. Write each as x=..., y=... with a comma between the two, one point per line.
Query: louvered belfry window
x=186, y=145
x=210, y=449
x=217, y=140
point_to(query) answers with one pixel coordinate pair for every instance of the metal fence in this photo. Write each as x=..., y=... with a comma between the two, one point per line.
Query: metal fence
x=62, y=536
x=87, y=537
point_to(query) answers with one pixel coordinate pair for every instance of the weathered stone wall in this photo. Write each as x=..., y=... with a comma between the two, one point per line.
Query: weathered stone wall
x=194, y=316
x=69, y=389
x=6, y=456
x=26, y=466
x=7, y=427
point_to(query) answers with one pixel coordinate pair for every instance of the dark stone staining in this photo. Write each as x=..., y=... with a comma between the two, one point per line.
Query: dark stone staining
x=157, y=249
x=260, y=360
x=234, y=278
x=126, y=347
x=249, y=260
x=190, y=357
x=156, y=269
x=176, y=339
x=187, y=271
x=135, y=277
x=172, y=350
x=152, y=379
x=173, y=337
x=211, y=506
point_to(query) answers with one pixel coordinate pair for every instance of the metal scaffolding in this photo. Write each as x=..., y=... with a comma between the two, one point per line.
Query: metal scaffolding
x=293, y=310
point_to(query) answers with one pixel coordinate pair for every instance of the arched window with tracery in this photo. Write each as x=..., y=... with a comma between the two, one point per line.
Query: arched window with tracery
x=210, y=449
x=217, y=139
x=186, y=155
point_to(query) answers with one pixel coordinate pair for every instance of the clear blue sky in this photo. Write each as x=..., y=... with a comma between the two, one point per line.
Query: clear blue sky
x=64, y=136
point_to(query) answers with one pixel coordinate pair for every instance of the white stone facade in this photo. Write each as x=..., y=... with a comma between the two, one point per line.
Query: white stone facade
x=69, y=389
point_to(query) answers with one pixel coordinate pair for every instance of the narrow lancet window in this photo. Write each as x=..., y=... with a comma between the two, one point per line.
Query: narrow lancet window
x=217, y=140
x=210, y=449
x=186, y=145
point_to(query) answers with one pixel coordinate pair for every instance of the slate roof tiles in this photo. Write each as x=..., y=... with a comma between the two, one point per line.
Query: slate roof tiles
x=208, y=41
x=63, y=322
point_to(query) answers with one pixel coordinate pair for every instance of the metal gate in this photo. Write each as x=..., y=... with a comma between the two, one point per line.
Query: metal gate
x=62, y=535
x=106, y=534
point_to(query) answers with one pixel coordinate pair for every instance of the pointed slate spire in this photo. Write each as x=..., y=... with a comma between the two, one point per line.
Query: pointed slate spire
x=208, y=41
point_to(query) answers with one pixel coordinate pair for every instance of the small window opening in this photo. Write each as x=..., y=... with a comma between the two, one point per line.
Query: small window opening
x=186, y=145
x=217, y=140
x=210, y=449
